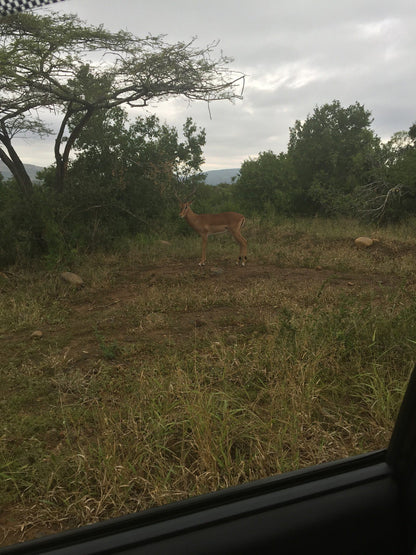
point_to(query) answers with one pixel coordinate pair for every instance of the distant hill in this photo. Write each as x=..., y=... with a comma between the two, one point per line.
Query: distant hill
x=215, y=177
x=31, y=169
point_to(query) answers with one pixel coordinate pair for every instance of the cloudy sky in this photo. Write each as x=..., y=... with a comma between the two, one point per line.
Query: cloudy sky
x=297, y=54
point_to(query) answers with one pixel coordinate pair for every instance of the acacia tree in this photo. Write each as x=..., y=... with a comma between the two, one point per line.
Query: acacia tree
x=60, y=64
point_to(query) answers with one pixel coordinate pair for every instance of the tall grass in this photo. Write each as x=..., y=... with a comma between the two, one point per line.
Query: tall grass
x=160, y=380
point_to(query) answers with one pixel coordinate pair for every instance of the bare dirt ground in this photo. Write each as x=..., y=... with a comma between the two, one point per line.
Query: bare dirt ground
x=107, y=306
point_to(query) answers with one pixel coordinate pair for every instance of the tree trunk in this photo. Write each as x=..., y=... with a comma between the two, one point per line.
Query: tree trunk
x=15, y=165
x=63, y=159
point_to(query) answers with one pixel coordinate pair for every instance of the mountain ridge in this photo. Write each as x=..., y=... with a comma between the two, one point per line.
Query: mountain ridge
x=31, y=169
x=215, y=177
x=212, y=177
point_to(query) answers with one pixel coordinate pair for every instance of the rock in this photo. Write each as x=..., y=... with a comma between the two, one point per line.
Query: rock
x=364, y=242
x=72, y=279
x=37, y=334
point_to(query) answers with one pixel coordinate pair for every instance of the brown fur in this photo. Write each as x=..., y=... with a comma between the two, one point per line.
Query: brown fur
x=212, y=224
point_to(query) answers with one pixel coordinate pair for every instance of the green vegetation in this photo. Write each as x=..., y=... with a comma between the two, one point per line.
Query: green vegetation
x=160, y=380
x=52, y=62
x=335, y=166
x=116, y=177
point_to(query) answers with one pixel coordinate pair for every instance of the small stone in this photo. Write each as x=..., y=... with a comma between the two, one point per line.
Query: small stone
x=363, y=242
x=37, y=334
x=72, y=279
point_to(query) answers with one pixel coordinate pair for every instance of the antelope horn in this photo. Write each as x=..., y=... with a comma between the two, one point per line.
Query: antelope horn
x=190, y=196
x=176, y=195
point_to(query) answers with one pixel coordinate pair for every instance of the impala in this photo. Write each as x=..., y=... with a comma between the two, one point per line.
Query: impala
x=212, y=224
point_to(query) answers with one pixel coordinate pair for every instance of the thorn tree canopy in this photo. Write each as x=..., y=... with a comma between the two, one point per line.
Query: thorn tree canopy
x=58, y=63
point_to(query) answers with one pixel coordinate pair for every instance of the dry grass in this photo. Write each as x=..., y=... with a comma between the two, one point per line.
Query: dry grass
x=160, y=380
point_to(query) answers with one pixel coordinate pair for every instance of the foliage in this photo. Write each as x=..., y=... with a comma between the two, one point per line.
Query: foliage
x=121, y=183
x=211, y=199
x=402, y=170
x=59, y=63
x=330, y=153
x=335, y=166
x=391, y=196
x=127, y=172
x=266, y=182
x=22, y=224
x=125, y=175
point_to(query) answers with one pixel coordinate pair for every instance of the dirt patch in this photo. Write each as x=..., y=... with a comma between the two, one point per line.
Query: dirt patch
x=99, y=316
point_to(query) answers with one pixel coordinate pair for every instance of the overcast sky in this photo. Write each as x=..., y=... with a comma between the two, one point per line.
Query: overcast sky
x=297, y=54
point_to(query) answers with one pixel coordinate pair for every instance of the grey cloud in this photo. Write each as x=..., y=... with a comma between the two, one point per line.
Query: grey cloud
x=297, y=54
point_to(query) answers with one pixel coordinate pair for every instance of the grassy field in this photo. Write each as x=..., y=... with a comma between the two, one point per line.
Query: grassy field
x=160, y=380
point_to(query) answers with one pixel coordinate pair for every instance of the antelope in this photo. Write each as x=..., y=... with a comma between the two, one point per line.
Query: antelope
x=213, y=224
